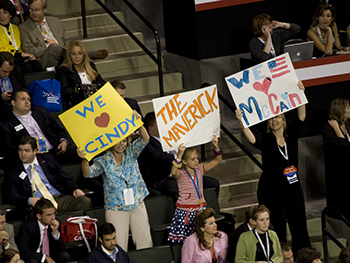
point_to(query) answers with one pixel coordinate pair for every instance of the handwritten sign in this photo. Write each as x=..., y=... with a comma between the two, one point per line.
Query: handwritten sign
x=266, y=90
x=190, y=117
x=100, y=121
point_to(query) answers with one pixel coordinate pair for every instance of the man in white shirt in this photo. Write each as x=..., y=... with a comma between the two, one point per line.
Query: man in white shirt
x=37, y=246
x=107, y=250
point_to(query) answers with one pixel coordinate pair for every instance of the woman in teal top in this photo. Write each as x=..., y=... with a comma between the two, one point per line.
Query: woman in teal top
x=124, y=189
x=259, y=244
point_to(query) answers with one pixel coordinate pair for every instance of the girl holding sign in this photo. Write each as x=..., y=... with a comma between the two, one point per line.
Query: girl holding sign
x=279, y=186
x=124, y=189
x=189, y=175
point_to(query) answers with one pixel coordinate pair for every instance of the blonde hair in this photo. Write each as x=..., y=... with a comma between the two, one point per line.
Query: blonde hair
x=268, y=128
x=187, y=154
x=85, y=63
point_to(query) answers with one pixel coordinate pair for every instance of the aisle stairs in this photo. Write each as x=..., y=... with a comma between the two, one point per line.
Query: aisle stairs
x=126, y=60
x=237, y=174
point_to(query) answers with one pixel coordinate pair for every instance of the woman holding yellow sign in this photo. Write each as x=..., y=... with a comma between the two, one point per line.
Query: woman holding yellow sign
x=279, y=186
x=124, y=189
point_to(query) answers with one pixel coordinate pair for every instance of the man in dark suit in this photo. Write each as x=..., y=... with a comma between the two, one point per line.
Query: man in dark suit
x=155, y=164
x=11, y=78
x=107, y=249
x=24, y=190
x=121, y=89
x=36, y=122
x=7, y=235
x=31, y=237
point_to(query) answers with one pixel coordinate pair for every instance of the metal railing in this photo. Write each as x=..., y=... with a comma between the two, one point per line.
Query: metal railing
x=157, y=60
x=326, y=234
x=232, y=137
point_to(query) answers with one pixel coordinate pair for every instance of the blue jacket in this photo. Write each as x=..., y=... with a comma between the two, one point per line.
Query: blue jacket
x=98, y=256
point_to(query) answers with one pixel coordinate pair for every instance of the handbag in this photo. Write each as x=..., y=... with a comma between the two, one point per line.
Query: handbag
x=83, y=91
x=79, y=228
x=46, y=93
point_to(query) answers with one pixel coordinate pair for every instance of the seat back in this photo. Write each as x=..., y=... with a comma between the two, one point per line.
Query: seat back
x=160, y=210
x=97, y=212
x=16, y=225
x=211, y=199
x=30, y=77
x=74, y=171
x=63, y=216
x=160, y=254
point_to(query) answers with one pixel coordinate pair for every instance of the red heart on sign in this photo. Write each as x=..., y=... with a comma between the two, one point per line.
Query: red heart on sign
x=265, y=85
x=102, y=121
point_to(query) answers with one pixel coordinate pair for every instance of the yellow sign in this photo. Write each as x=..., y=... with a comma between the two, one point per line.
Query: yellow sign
x=100, y=121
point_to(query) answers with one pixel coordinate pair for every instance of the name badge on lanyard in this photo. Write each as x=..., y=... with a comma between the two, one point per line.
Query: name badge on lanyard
x=289, y=172
x=267, y=249
x=129, y=196
x=42, y=145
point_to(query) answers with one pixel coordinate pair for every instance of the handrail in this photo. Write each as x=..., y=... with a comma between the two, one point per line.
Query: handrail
x=233, y=138
x=326, y=233
x=157, y=60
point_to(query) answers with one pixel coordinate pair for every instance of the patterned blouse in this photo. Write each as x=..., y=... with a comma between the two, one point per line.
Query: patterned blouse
x=117, y=178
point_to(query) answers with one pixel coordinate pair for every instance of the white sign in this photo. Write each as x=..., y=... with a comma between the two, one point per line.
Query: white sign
x=266, y=90
x=191, y=118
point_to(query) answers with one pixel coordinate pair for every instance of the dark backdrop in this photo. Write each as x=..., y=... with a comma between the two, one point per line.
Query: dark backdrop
x=227, y=31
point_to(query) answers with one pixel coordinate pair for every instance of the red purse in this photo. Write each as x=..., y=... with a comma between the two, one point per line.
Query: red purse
x=79, y=228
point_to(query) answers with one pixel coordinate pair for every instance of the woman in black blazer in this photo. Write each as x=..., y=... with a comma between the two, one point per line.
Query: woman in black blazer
x=78, y=76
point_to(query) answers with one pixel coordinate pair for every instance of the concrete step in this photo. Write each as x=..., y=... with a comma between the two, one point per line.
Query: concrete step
x=140, y=85
x=115, y=41
x=235, y=166
x=238, y=186
x=333, y=249
x=239, y=206
x=97, y=21
x=70, y=6
x=126, y=64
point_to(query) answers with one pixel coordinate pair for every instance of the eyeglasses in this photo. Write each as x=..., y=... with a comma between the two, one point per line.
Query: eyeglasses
x=35, y=10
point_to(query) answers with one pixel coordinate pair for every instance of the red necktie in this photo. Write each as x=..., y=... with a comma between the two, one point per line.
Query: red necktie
x=46, y=247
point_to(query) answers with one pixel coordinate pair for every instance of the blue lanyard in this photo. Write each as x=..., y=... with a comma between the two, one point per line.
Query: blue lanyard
x=195, y=186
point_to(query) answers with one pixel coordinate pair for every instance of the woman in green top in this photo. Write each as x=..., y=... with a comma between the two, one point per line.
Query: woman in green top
x=259, y=244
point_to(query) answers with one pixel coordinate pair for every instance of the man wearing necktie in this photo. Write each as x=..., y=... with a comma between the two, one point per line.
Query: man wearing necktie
x=36, y=176
x=44, y=37
x=39, y=238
